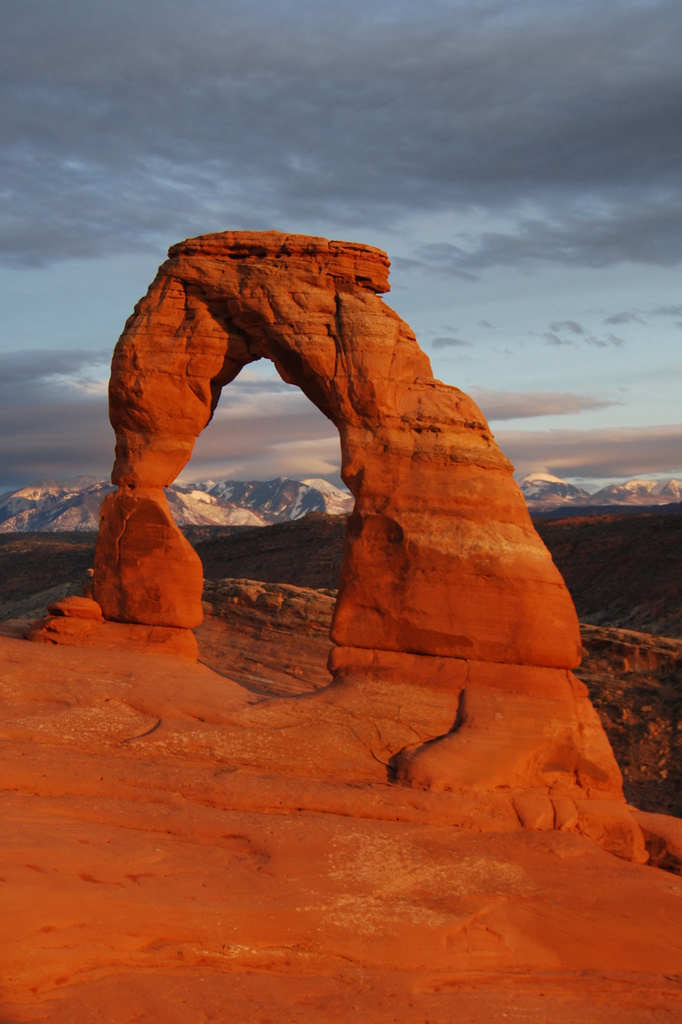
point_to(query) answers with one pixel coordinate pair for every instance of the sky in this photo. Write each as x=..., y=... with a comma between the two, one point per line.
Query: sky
x=519, y=161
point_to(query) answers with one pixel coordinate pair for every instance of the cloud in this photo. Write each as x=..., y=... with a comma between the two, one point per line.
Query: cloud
x=610, y=341
x=623, y=318
x=53, y=415
x=266, y=428
x=511, y=405
x=617, y=452
x=299, y=459
x=249, y=383
x=642, y=230
x=574, y=330
x=667, y=311
x=127, y=125
x=35, y=366
x=262, y=429
x=552, y=338
x=259, y=435
x=447, y=341
x=569, y=326
x=59, y=438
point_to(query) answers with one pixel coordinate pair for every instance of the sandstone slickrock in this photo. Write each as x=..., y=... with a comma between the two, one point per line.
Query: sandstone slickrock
x=454, y=633
x=149, y=873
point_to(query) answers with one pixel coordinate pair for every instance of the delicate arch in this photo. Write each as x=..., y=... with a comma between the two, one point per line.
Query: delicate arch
x=441, y=557
x=453, y=633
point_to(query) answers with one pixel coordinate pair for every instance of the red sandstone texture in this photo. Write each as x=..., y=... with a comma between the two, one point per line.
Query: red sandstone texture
x=454, y=635
x=150, y=874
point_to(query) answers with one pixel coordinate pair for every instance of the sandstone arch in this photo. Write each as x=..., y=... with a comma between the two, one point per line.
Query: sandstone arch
x=453, y=629
x=442, y=558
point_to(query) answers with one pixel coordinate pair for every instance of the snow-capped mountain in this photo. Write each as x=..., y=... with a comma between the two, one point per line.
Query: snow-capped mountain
x=336, y=501
x=544, y=491
x=54, y=505
x=280, y=499
x=639, y=492
x=197, y=508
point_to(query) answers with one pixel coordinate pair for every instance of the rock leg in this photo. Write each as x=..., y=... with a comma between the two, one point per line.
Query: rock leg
x=549, y=754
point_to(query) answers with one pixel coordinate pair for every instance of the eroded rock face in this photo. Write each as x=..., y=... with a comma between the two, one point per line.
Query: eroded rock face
x=270, y=637
x=445, y=584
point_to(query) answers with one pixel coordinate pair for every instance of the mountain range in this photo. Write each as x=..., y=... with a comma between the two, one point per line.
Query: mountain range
x=543, y=491
x=73, y=505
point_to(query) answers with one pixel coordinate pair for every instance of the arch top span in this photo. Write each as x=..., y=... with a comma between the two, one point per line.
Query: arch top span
x=445, y=586
x=364, y=265
x=221, y=301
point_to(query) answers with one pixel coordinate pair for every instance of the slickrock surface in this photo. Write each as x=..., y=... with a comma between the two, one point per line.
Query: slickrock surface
x=634, y=679
x=449, y=608
x=149, y=874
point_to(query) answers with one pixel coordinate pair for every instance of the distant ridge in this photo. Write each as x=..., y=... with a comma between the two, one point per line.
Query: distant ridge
x=546, y=493
x=576, y=511
x=73, y=505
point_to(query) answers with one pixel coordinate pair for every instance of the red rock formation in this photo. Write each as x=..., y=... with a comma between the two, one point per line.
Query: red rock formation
x=445, y=586
x=148, y=874
x=78, y=622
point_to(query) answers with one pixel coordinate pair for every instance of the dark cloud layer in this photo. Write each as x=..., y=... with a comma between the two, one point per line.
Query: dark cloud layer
x=264, y=429
x=125, y=124
x=61, y=438
x=547, y=131
x=641, y=230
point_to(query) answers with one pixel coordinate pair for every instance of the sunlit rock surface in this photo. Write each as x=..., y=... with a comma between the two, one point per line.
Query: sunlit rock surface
x=149, y=873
